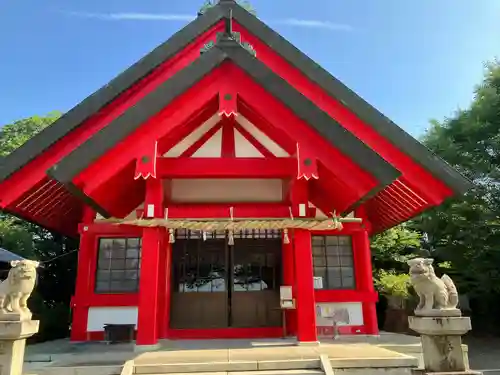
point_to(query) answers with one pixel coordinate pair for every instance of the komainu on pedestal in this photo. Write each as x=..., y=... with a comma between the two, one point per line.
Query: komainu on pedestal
x=15, y=317
x=438, y=321
x=438, y=296
x=16, y=289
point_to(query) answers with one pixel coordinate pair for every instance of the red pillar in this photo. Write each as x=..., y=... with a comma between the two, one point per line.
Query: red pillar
x=289, y=280
x=304, y=287
x=364, y=279
x=164, y=286
x=79, y=302
x=149, y=283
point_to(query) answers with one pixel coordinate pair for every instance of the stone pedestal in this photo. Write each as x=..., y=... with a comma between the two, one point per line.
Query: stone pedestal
x=13, y=335
x=441, y=338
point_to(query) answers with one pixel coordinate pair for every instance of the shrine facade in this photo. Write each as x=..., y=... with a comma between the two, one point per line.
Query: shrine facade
x=222, y=171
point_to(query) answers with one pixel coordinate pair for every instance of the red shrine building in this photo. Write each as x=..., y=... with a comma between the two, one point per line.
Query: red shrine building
x=225, y=125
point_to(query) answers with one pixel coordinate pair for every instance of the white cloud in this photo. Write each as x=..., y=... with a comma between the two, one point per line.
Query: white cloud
x=306, y=23
x=317, y=24
x=134, y=16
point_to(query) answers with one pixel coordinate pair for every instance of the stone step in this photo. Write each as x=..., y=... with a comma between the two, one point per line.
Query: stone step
x=233, y=366
x=273, y=372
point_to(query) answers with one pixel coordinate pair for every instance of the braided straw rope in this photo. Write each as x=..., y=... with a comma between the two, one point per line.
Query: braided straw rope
x=237, y=225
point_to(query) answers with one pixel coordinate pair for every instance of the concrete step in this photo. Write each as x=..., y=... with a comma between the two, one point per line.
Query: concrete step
x=233, y=366
x=275, y=372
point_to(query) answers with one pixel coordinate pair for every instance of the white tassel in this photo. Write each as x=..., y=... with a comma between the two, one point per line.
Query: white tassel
x=204, y=236
x=230, y=238
x=171, y=236
x=286, y=240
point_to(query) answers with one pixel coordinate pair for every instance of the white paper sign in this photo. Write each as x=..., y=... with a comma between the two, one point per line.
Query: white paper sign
x=318, y=282
x=286, y=292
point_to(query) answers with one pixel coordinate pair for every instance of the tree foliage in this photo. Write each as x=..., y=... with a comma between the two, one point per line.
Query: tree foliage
x=56, y=276
x=466, y=231
x=14, y=135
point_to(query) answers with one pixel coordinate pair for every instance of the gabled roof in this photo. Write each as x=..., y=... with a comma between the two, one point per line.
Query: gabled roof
x=94, y=103
x=104, y=140
x=228, y=50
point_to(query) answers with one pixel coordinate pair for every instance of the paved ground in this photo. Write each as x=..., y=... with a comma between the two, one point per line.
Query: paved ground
x=484, y=353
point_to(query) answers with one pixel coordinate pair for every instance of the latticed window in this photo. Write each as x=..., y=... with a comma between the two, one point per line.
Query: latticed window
x=333, y=262
x=118, y=265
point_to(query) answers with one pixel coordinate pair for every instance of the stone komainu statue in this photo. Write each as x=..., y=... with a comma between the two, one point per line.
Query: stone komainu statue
x=17, y=288
x=434, y=293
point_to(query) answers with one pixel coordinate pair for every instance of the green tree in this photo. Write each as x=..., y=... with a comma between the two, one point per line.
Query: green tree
x=465, y=231
x=56, y=276
x=392, y=248
x=14, y=135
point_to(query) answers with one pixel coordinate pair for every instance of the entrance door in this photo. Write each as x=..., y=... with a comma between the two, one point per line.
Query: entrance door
x=199, y=281
x=215, y=285
x=254, y=296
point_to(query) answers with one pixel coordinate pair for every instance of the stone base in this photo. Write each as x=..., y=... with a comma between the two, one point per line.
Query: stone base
x=13, y=335
x=17, y=330
x=423, y=372
x=442, y=326
x=308, y=343
x=442, y=343
x=146, y=348
x=12, y=316
x=438, y=312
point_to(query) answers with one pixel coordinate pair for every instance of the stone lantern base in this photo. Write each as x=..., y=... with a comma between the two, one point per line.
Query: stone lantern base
x=441, y=338
x=13, y=335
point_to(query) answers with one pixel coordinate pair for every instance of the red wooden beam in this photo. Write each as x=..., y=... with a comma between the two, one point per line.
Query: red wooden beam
x=226, y=167
x=223, y=211
x=202, y=140
x=182, y=131
x=278, y=136
x=255, y=143
x=228, y=147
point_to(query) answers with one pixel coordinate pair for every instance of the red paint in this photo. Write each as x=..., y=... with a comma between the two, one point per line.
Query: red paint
x=146, y=163
x=83, y=281
x=240, y=210
x=255, y=143
x=147, y=321
x=181, y=132
x=208, y=334
x=289, y=280
x=154, y=129
x=277, y=135
x=226, y=333
x=226, y=167
x=306, y=308
x=228, y=106
x=201, y=141
x=34, y=172
x=364, y=278
x=307, y=166
x=342, y=330
x=422, y=181
x=228, y=147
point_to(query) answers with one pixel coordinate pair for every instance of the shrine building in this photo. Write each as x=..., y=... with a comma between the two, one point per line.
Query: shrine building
x=224, y=186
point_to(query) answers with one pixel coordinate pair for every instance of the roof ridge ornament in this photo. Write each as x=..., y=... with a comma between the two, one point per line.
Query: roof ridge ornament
x=228, y=37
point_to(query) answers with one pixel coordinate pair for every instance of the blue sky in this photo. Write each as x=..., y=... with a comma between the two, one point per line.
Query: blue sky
x=413, y=60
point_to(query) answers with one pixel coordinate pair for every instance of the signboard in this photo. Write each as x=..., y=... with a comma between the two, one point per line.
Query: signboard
x=286, y=297
x=318, y=282
x=287, y=304
x=286, y=292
